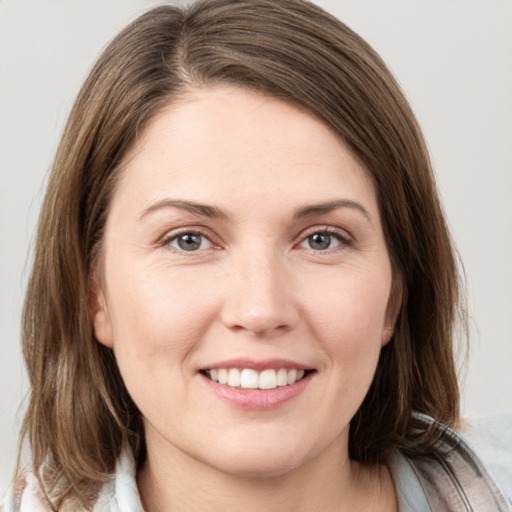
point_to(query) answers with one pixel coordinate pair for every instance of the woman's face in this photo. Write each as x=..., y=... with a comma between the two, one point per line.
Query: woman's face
x=244, y=244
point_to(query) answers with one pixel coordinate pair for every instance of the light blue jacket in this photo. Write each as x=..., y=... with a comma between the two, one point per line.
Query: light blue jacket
x=475, y=474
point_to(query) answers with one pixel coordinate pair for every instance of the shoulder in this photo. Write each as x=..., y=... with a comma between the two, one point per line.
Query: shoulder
x=491, y=438
x=118, y=494
x=471, y=467
x=24, y=495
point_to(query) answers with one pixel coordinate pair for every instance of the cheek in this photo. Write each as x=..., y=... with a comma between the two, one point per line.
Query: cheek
x=349, y=315
x=159, y=319
x=347, y=319
x=157, y=313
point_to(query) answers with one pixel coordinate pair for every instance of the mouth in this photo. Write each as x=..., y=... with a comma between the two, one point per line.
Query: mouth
x=249, y=378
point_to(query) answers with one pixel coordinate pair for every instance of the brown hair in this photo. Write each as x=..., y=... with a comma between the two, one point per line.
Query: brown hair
x=80, y=414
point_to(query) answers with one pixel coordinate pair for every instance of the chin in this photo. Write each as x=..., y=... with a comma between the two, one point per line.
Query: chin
x=258, y=459
x=261, y=465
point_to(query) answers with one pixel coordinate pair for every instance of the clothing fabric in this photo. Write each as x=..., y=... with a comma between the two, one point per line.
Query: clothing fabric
x=474, y=474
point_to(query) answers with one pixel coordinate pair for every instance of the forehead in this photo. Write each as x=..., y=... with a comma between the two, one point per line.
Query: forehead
x=225, y=142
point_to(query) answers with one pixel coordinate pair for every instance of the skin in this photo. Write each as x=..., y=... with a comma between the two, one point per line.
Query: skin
x=255, y=288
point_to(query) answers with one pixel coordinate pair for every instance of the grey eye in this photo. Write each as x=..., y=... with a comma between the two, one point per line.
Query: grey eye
x=321, y=241
x=190, y=242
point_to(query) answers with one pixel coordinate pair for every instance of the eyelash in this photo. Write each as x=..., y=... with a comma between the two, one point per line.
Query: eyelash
x=343, y=239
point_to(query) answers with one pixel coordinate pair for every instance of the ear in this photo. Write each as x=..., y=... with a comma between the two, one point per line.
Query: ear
x=393, y=308
x=99, y=310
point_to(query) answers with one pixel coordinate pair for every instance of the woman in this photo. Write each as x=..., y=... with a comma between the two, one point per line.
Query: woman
x=244, y=289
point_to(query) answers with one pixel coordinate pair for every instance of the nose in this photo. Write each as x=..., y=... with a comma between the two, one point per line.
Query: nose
x=260, y=299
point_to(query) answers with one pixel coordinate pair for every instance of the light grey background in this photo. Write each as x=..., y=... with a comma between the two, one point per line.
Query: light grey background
x=454, y=61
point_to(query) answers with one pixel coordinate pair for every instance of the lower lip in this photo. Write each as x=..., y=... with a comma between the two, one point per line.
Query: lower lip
x=258, y=399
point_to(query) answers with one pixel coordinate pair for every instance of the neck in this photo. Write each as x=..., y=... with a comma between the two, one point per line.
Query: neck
x=329, y=482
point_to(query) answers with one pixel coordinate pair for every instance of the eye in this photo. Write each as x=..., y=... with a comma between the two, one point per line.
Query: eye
x=189, y=241
x=323, y=240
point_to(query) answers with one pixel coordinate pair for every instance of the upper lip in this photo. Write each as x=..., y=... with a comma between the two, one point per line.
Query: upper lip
x=258, y=365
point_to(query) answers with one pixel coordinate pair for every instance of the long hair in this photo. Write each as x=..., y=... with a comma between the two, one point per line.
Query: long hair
x=80, y=415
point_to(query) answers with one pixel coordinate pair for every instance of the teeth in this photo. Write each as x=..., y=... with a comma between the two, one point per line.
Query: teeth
x=234, y=378
x=223, y=376
x=282, y=377
x=268, y=379
x=247, y=378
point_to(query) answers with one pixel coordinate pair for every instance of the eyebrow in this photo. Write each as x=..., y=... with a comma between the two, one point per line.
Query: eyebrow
x=205, y=210
x=323, y=208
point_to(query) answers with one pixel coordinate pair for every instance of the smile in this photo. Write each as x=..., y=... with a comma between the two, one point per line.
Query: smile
x=248, y=378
